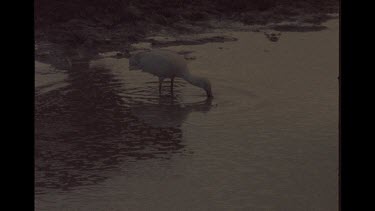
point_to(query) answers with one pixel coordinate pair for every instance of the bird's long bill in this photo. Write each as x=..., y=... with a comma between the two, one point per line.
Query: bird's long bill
x=209, y=94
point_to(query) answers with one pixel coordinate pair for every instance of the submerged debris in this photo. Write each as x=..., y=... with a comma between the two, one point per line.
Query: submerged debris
x=273, y=37
x=298, y=28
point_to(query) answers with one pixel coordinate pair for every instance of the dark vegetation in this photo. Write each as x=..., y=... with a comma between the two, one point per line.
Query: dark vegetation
x=117, y=22
x=112, y=12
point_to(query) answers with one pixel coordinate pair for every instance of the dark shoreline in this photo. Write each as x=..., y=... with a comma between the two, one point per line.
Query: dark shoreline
x=86, y=37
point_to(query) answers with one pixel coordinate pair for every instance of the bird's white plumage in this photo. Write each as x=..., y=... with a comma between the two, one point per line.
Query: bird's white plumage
x=167, y=64
x=162, y=63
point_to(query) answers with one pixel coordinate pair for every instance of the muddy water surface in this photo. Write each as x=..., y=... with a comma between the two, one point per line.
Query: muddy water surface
x=268, y=140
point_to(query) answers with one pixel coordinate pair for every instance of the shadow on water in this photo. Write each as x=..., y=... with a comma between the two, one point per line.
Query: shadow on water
x=85, y=130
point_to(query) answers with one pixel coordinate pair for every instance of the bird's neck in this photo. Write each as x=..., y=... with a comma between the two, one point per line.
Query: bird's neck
x=194, y=80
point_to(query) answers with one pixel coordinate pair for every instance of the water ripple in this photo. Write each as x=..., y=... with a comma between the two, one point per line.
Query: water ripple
x=89, y=127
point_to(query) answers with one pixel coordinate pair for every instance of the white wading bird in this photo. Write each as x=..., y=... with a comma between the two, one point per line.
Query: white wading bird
x=165, y=64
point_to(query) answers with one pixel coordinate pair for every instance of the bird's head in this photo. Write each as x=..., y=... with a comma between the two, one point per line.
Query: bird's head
x=200, y=82
x=205, y=84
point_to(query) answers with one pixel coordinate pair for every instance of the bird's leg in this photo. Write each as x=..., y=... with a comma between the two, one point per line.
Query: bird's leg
x=160, y=83
x=172, y=79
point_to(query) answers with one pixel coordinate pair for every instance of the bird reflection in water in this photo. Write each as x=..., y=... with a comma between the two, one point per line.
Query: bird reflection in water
x=169, y=112
x=84, y=131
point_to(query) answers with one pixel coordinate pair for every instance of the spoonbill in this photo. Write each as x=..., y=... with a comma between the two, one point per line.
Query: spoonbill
x=166, y=64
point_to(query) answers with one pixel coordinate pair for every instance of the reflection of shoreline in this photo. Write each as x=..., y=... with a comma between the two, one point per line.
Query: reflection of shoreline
x=83, y=131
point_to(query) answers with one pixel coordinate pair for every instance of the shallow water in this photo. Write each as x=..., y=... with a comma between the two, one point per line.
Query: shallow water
x=268, y=140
